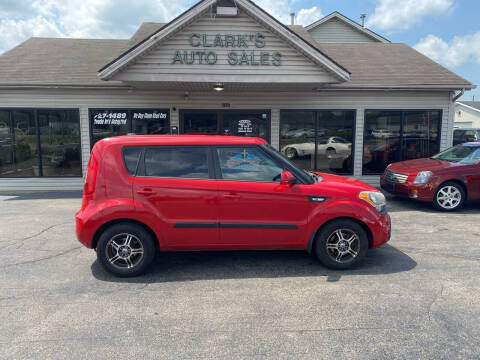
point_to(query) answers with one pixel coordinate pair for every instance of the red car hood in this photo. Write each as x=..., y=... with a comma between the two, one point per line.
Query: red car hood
x=343, y=182
x=414, y=166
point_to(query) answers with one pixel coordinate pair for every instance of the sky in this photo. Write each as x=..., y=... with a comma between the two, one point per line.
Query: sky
x=448, y=31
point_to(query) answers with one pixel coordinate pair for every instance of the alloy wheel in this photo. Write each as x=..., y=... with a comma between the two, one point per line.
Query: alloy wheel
x=449, y=197
x=124, y=251
x=291, y=153
x=343, y=245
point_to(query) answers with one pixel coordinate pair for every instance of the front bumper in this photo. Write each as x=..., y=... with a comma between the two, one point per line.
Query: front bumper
x=383, y=232
x=420, y=192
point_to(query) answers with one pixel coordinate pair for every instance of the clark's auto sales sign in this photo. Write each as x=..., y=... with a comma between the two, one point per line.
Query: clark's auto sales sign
x=244, y=50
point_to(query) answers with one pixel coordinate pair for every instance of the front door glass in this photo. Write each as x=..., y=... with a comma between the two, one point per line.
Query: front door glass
x=200, y=123
x=226, y=122
x=245, y=124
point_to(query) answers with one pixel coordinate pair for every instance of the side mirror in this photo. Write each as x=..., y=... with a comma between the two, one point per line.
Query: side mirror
x=287, y=178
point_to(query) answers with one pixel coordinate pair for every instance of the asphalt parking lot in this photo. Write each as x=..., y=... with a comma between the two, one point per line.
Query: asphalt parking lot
x=417, y=297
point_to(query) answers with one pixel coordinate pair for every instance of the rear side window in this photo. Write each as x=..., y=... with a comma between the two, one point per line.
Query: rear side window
x=131, y=155
x=178, y=162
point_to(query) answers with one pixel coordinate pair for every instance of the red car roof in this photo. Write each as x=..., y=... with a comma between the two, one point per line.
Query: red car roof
x=184, y=140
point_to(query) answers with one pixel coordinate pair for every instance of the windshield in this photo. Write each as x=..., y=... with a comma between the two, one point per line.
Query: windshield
x=460, y=154
x=306, y=176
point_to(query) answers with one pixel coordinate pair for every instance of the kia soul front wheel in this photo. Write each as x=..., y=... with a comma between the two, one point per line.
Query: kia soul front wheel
x=126, y=249
x=341, y=244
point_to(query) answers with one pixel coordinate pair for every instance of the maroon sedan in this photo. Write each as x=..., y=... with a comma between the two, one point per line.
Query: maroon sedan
x=447, y=179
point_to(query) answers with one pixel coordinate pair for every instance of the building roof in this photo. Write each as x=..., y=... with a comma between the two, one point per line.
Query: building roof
x=349, y=22
x=58, y=62
x=75, y=62
x=473, y=104
x=390, y=65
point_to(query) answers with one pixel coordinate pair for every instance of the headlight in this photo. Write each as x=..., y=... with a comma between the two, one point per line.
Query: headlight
x=422, y=177
x=376, y=199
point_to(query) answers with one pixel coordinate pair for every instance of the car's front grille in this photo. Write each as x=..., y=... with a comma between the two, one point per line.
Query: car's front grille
x=395, y=177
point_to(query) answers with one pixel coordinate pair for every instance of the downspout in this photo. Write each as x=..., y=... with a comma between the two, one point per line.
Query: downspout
x=460, y=94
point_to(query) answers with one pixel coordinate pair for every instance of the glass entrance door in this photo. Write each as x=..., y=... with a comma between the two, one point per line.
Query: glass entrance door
x=254, y=123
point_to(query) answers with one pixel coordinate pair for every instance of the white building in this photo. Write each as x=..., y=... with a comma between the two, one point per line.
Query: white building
x=467, y=114
x=333, y=96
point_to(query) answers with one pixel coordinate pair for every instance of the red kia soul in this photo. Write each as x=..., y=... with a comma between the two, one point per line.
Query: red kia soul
x=145, y=194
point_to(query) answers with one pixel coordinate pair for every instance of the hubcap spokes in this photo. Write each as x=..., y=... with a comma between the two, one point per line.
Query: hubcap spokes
x=124, y=251
x=343, y=245
x=449, y=197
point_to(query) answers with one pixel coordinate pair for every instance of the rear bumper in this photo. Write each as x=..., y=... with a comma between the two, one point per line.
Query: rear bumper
x=420, y=192
x=84, y=228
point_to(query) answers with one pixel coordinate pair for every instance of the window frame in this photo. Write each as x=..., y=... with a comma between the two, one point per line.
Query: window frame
x=141, y=167
x=402, y=121
x=37, y=135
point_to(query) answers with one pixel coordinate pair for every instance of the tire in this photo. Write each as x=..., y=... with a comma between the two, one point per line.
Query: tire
x=336, y=246
x=331, y=151
x=125, y=249
x=453, y=194
x=291, y=153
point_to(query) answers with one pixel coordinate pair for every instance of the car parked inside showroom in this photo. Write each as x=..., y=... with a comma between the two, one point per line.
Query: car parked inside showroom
x=150, y=193
x=326, y=145
x=447, y=179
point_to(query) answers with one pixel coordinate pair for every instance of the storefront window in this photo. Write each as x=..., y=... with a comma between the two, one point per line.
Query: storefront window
x=57, y=153
x=297, y=137
x=60, y=142
x=318, y=140
x=396, y=135
x=116, y=122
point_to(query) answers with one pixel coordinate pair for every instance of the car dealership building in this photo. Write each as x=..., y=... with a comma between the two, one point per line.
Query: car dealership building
x=332, y=96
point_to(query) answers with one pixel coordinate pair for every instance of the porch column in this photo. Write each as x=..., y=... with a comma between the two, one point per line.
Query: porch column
x=275, y=128
x=358, y=145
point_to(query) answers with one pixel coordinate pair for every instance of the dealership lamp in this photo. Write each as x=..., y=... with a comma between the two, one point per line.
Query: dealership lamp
x=219, y=87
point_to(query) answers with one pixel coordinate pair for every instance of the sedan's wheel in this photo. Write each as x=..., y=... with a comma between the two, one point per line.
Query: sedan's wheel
x=125, y=249
x=331, y=151
x=291, y=153
x=341, y=244
x=449, y=197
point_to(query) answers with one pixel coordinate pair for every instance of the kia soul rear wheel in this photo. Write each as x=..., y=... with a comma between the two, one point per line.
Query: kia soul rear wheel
x=449, y=196
x=341, y=244
x=125, y=249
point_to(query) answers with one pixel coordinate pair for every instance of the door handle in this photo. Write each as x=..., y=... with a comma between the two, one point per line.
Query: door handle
x=146, y=192
x=231, y=196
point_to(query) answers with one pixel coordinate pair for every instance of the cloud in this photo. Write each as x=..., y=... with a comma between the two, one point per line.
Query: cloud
x=21, y=19
x=402, y=14
x=308, y=16
x=13, y=32
x=459, y=50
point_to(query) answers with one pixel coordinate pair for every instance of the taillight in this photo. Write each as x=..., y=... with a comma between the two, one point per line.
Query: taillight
x=91, y=178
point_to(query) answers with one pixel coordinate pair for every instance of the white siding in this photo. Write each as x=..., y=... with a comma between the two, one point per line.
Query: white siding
x=84, y=99
x=335, y=30
x=466, y=117
x=157, y=64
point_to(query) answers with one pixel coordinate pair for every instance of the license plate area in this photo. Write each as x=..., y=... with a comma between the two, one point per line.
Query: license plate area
x=390, y=187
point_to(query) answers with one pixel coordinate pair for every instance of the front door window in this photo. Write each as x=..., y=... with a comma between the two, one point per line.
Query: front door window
x=247, y=164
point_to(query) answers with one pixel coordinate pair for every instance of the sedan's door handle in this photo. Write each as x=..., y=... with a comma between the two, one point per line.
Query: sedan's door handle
x=231, y=196
x=146, y=192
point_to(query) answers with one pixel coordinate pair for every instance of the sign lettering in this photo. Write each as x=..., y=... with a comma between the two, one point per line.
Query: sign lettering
x=245, y=50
